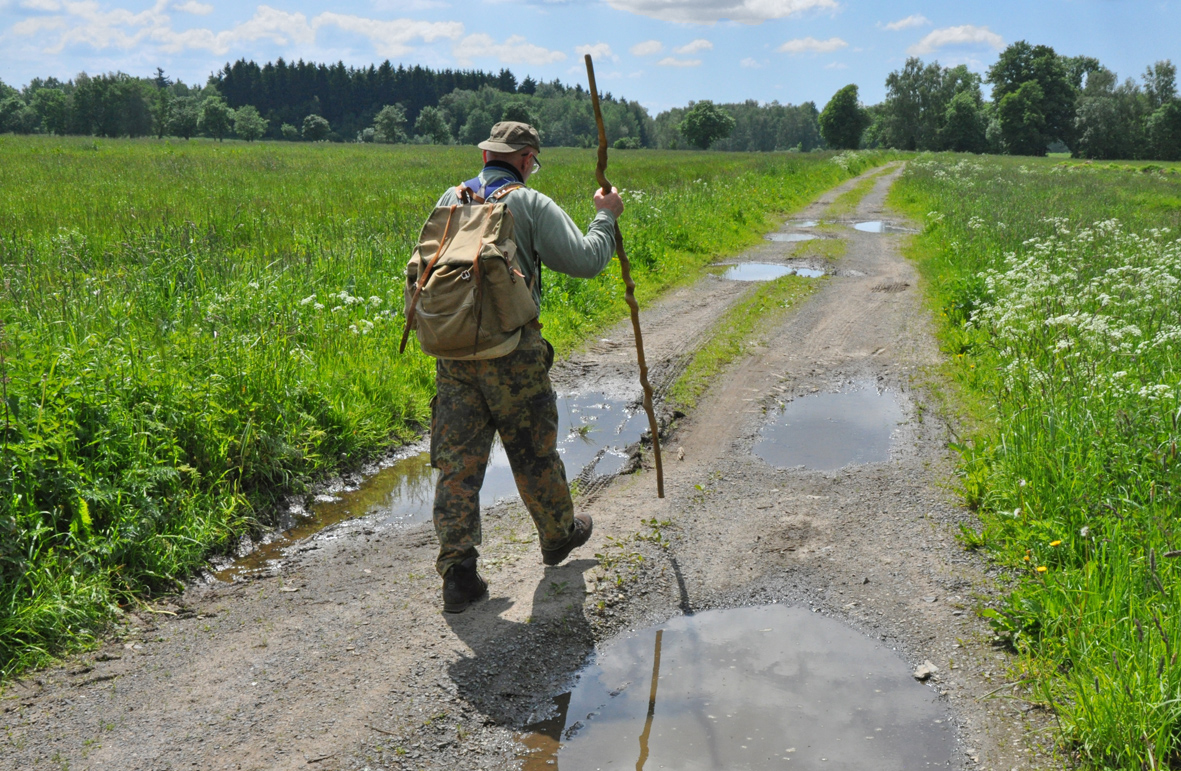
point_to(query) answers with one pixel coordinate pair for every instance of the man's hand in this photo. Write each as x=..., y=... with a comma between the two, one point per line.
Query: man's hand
x=611, y=201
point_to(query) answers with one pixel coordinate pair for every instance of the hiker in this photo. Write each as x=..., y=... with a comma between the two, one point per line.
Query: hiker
x=506, y=389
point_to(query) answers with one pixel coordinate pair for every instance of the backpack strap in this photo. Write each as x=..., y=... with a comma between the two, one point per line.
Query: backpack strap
x=473, y=191
x=418, y=285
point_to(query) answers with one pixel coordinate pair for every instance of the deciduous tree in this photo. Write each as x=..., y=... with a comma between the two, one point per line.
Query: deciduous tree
x=216, y=117
x=390, y=124
x=315, y=128
x=248, y=124
x=432, y=123
x=843, y=120
x=705, y=123
x=1050, y=108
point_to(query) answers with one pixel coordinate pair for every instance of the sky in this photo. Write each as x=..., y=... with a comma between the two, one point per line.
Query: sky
x=662, y=53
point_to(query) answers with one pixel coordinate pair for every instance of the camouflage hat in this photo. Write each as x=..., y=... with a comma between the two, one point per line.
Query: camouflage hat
x=509, y=136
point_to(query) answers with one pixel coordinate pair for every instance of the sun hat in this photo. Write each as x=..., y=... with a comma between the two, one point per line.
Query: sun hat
x=508, y=136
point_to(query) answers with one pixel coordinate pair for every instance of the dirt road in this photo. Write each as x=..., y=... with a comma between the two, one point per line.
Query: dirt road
x=341, y=659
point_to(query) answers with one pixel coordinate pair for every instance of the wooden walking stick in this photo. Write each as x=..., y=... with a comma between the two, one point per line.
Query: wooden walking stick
x=629, y=285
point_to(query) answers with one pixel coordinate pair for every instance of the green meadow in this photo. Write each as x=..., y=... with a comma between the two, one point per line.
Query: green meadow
x=192, y=330
x=1056, y=288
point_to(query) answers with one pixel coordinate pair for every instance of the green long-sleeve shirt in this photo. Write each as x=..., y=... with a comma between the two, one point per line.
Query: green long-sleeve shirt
x=544, y=232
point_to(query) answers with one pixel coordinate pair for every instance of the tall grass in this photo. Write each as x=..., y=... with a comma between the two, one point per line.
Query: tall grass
x=192, y=330
x=1058, y=287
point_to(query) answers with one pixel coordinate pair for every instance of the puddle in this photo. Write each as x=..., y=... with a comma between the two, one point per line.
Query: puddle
x=804, y=223
x=828, y=431
x=745, y=688
x=879, y=226
x=790, y=237
x=593, y=432
x=767, y=271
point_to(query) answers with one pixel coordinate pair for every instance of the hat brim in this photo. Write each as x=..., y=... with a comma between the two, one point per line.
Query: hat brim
x=501, y=147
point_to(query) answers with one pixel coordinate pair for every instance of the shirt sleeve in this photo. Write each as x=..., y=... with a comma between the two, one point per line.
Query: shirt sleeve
x=561, y=246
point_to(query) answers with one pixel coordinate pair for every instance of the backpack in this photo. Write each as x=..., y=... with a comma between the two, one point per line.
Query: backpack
x=466, y=295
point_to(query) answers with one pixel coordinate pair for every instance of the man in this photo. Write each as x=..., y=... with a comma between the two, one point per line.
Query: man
x=512, y=395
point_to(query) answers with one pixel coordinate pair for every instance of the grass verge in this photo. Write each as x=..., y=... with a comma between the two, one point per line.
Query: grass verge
x=737, y=333
x=822, y=248
x=847, y=201
x=1055, y=288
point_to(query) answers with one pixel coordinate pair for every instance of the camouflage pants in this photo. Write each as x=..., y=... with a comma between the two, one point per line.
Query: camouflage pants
x=512, y=396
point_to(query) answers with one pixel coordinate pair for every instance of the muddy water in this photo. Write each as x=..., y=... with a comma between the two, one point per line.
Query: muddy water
x=878, y=226
x=790, y=237
x=593, y=432
x=747, y=688
x=767, y=271
x=831, y=430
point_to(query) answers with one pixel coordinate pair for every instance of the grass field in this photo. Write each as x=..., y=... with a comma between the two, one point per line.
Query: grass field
x=191, y=330
x=1056, y=287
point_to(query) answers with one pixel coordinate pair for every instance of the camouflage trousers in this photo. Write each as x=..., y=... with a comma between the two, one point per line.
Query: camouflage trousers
x=512, y=396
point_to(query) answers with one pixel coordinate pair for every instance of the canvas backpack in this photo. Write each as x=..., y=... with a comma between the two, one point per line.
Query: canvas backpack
x=466, y=295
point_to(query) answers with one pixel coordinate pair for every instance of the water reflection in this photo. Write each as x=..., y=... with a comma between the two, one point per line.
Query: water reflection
x=790, y=237
x=828, y=431
x=745, y=688
x=593, y=434
x=878, y=226
x=767, y=271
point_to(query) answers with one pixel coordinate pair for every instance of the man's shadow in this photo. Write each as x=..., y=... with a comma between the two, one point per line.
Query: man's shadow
x=515, y=667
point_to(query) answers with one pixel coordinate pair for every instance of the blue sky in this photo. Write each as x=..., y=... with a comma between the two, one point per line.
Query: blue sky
x=662, y=53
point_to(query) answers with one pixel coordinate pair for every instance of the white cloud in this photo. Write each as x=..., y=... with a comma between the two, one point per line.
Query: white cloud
x=914, y=20
x=195, y=8
x=710, y=11
x=49, y=6
x=836, y=66
x=598, y=51
x=751, y=63
x=647, y=48
x=83, y=23
x=672, y=61
x=391, y=38
x=966, y=35
x=698, y=45
x=810, y=45
x=514, y=50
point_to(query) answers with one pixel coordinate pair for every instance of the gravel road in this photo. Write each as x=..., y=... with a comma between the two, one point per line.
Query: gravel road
x=340, y=658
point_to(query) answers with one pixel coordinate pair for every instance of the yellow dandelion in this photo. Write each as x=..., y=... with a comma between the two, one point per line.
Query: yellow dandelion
x=1042, y=568
x=1055, y=543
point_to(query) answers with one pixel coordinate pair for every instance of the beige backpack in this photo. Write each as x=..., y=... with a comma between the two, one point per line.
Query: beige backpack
x=466, y=295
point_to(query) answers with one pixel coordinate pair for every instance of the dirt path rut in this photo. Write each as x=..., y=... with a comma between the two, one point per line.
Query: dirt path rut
x=341, y=658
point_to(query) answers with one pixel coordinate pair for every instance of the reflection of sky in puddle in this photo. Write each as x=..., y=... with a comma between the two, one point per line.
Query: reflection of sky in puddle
x=878, y=226
x=404, y=492
x=790, y=237
x=745, y=688
x=804, y=223
x=828, y=431
x=767, y=271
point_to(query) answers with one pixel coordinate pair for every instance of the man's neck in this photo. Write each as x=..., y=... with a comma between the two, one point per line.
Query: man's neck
x=505, y=165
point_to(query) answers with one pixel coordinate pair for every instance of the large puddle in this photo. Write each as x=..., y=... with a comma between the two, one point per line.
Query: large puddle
x=593, y=432
x=767, y=271
x=769, y=687
x=880, y=226
x=831, y=430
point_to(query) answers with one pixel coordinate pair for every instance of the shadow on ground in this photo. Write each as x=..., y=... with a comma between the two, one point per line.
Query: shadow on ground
x=516, y=665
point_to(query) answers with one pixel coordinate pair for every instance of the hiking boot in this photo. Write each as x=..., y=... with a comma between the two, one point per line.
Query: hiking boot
x=582, y=533
x=461, y=586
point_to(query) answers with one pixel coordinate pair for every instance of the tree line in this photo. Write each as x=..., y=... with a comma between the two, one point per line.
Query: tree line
x=1040, y=101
